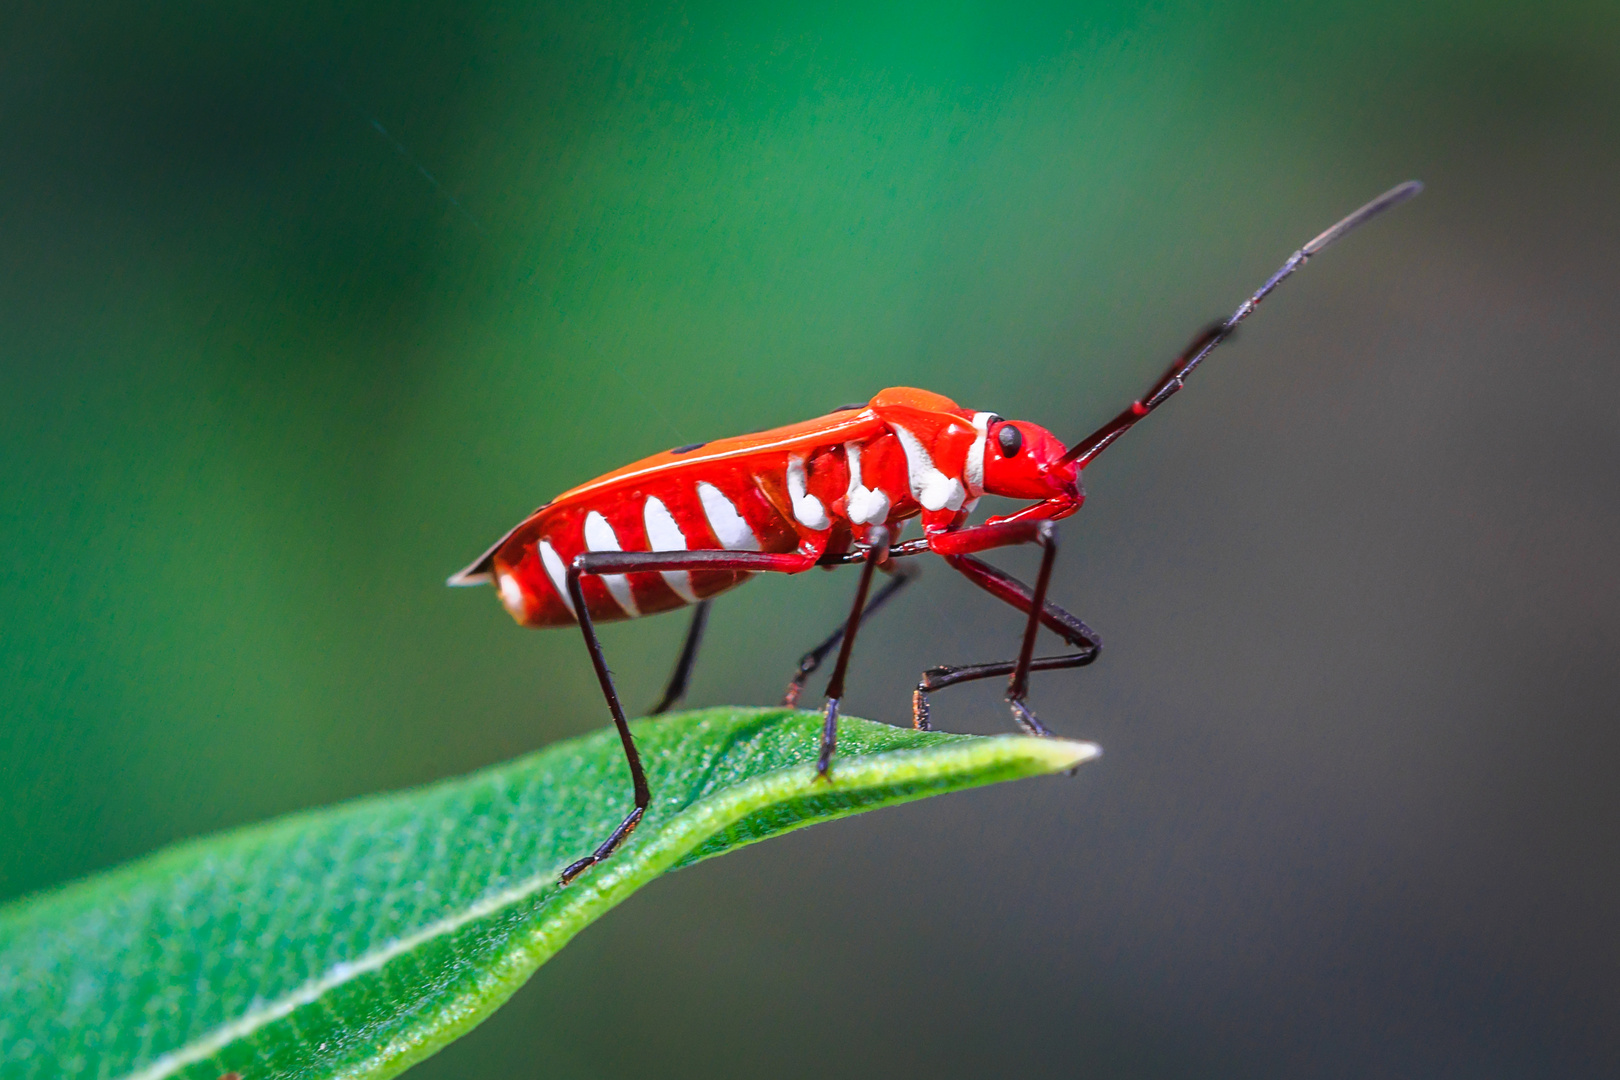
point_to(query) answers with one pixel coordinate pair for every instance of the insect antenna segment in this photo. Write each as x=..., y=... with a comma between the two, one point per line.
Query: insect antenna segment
x=1206, y=342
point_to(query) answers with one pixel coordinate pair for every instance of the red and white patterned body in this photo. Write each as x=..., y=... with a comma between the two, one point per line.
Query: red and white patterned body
x=813, y=488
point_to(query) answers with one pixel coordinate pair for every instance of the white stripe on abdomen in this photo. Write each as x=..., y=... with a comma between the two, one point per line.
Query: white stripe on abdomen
x=512, y=597
x=557, y=573
x=599, y=536
x=664, y=535
x=729, y=526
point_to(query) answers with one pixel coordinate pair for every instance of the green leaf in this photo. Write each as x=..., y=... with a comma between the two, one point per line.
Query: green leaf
x=357, y=940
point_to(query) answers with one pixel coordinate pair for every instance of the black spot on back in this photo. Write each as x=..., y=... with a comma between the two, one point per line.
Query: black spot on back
x=689, y=447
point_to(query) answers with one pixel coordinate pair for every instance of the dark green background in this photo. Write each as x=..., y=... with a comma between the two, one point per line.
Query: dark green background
x=300, y=309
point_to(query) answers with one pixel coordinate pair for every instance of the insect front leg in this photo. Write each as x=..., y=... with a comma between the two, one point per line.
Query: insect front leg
x=600, y=563
x=1011, y=591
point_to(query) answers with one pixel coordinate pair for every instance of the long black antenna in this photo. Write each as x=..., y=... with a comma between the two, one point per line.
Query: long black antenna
x=1206, y=342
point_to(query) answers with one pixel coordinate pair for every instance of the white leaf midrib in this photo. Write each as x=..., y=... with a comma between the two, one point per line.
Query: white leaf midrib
x=335, y=976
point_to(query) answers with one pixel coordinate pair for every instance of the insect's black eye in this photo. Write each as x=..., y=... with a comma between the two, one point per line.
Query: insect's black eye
x=1010, y=439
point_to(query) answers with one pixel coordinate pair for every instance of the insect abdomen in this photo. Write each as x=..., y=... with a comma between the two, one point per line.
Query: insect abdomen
x=725, y=511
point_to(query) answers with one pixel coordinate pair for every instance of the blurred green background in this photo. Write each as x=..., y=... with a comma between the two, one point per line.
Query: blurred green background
x=301, y=306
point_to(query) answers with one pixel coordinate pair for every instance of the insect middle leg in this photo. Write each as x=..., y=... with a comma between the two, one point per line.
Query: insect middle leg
x=601, y=563
x=878, y=552
x=900, y=575
x=1041, y=612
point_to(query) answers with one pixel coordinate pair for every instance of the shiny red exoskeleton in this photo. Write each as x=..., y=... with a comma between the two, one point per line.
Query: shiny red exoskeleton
x=680, y=527
x=801, y=492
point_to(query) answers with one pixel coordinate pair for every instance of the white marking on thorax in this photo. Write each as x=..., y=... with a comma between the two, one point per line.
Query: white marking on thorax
x=664, y=535
x=973, y=472
x=599, y=536
x=806, y=507
x=728, y=525
x=512, y=597
x=558, y=573
x=864, y=505
x=930, y=487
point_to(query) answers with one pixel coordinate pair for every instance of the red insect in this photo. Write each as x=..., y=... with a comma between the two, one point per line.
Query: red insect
x=681, y=526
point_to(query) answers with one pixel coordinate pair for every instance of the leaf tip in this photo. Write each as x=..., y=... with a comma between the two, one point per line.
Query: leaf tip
x=1062, y=755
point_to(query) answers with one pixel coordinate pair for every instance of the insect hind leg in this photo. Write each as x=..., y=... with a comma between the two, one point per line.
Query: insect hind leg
x=599, y=563
x=675, y=689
